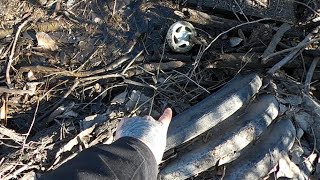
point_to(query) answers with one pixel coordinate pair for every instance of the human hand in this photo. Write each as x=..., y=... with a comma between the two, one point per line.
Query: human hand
x=151, y=132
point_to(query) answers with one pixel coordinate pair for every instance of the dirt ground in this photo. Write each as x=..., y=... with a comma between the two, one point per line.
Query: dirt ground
x=69, y=64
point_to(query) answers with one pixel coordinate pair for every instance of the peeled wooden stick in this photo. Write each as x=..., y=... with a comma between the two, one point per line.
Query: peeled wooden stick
x=213, y=110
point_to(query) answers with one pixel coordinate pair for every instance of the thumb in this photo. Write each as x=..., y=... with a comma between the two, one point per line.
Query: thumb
x=166, y=117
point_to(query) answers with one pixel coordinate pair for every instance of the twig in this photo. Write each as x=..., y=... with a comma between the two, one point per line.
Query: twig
x=15, y=91
x=310, y=74
x=57, y=104
x=114, y=8
x=18, y=138
x=293, y=53
x=20, y=170
x=101, y=77
x=304, y=4
x=241, y=10
x=192, y=81
x=299, y=46
x=275, y=40
x=57, y=8
x=102, y=93
x=131, y=62
x=235, y=27
x=13, y=50
x=32, y=123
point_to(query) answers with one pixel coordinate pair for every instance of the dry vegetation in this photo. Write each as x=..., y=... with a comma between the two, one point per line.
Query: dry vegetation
x=72, y=69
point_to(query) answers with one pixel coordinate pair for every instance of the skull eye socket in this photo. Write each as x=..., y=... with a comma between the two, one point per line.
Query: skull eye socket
x=175, y=39
x=178, y=29
x=183, y=45
x=188, y=29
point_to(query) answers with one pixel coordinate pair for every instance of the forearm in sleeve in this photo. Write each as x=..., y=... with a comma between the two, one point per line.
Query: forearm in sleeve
x=126, y=158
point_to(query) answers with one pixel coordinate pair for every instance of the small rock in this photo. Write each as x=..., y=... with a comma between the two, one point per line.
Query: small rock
x=120, y=98
x=235, y=41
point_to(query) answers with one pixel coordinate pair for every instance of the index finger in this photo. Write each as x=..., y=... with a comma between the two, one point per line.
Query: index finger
x=166, y=117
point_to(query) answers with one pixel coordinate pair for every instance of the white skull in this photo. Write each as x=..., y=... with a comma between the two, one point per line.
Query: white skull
x=179, y=36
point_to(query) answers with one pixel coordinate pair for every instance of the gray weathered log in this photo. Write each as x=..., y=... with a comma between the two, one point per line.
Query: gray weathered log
x=259, y=158
x=227, y=140
x=212, y=110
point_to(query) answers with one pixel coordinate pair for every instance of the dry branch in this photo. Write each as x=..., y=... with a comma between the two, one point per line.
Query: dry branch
x=310, y=74
x=11, y=134
x=153, y=67
x=293, y=53
x=15, y=91
x=276, y=39
x=57, y=104
x=13, y=50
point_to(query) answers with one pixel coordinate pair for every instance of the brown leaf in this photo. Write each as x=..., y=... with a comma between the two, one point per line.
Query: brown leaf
x=46, y=42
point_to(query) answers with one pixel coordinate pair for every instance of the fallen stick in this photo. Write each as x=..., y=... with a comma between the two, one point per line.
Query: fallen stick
x=15, y=91
x=227, y=140
x=276, y=39
x=213, y=110
x=260, y=157
x=299, y=46
x=86, y=76
x=310, y=74
x=249, y=61
x=153, y=67
x=25, y=167
x=13, y=49
x=293, y=53
x=11, y=134
x=57, y=104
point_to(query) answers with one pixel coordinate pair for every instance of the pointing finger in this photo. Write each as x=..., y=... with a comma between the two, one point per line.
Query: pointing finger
x=166, y=117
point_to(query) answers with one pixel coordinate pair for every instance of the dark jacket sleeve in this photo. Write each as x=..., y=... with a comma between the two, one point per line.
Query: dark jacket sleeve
x=126, y=158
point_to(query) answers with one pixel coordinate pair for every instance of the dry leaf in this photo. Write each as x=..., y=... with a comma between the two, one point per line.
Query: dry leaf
x=120, y=98
x=288, y=169
x=46, y=42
